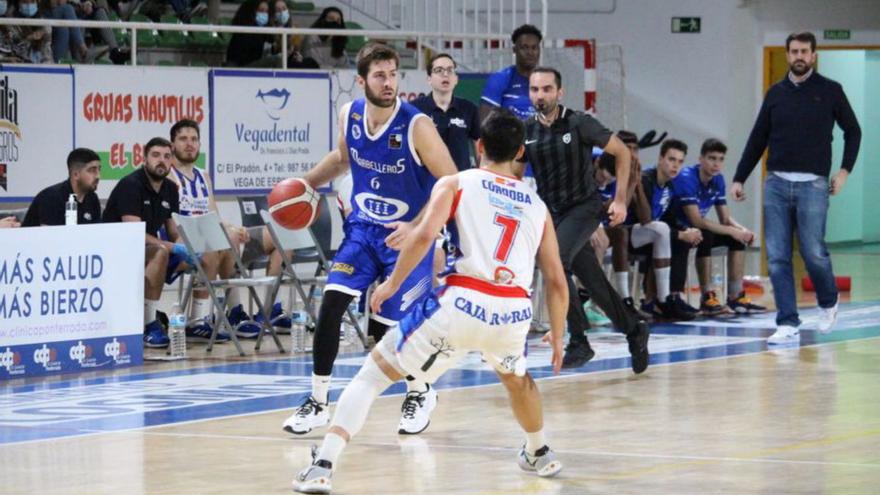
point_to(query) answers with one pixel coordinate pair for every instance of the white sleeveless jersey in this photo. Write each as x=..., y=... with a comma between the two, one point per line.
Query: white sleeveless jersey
x=195, y=199
x=498, y=226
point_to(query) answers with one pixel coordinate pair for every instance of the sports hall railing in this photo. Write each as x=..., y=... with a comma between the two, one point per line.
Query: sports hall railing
x=481, y=44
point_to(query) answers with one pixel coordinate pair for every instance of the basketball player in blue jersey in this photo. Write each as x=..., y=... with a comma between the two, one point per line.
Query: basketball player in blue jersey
x=395, y=155
x=509, y=87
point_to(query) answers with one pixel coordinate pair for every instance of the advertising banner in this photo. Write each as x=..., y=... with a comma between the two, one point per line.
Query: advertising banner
x=267, y=126
x=36, y=116
x=119, y=109
x=71, y=298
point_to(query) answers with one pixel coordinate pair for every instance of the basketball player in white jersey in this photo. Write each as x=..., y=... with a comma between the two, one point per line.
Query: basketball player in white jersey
x=196, y=198
x=500, y=225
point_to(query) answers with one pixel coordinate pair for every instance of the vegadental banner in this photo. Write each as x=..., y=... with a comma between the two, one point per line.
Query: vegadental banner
x=71, y=298
x=267, y=126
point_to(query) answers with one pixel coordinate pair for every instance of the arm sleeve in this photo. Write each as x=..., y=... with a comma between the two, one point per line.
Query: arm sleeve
x=852, y=133
x=721, y=195
x=494, y=89
x=756, y=144
x=593, y=132
x=130, y=202
x=474, y=124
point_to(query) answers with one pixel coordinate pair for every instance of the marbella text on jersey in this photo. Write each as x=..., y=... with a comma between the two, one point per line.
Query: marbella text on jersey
x=382, y=168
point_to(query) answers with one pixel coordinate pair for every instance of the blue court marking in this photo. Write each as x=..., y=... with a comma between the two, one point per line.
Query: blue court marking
x=77, y=407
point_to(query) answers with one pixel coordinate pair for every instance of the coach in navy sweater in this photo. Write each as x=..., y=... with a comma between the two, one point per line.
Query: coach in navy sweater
x=796, y=121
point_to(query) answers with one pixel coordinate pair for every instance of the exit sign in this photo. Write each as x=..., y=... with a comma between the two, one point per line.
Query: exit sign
x=685, y=24
x=836, y=34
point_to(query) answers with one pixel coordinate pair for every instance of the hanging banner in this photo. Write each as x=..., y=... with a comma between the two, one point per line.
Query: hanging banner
x=119, y=109
x=36, y=133
x=267, y=126
x=71, y=298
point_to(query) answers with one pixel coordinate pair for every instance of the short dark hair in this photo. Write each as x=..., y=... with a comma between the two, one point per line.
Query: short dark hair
x=374, y=52
x=607, y=162
x=673, y=144
x=183, y=124
x=156, y=141
x=803, y=37
x=713, y=145
x=80, y=157
x=526, y=29
x=550, y=70
x=439, y=56
x=628, y=137
x=502, y=134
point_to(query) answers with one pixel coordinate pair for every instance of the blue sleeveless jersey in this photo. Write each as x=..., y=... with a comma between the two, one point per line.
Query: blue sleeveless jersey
x=389, y=181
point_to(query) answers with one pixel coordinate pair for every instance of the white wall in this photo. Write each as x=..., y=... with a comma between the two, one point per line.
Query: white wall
x=709, y=84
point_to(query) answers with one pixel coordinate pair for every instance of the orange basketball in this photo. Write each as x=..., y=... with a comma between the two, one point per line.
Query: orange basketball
x=293, y=203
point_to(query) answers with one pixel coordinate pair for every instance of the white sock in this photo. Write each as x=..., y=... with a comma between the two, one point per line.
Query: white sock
x=150, y=307
x=331, y=447
x=200, y=308
x=662, y=276
x=234, y=298
x=534, y=441
x=320, y=388
x=416, y=386
x=621, y=283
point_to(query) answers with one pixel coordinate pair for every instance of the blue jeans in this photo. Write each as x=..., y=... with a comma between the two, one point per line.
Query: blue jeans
x=65, y=40
x=802, y=205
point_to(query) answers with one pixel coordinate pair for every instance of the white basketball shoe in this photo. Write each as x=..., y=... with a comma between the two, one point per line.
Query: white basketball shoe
x=544, y=462
x=784, y=334
x=311, y=414
x=416, y=411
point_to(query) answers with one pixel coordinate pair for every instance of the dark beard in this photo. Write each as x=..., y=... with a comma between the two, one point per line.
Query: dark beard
x=154, y=176
x=375, y=100
x=799, y=72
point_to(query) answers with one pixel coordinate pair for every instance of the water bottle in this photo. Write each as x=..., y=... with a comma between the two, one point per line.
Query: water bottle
x=298, y=321
x=70, y=211
x=717, y=283
x=177, y=332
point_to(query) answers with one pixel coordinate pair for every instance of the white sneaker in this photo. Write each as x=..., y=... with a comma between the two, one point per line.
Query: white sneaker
x=311, y=414
x=315, y=478
x=544, y=462
x=827, y=318
x=416, y=411
x=785, y=334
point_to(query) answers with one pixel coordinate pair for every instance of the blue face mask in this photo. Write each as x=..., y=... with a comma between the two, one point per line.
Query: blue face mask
x=28, y=9
x=3, y=7
x=282, y=17
x=262, y=18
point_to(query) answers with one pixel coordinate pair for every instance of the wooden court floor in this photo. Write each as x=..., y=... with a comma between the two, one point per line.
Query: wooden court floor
x=705, y=418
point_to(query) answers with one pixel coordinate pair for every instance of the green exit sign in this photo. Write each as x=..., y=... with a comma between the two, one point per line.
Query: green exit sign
x=685, y=24
x=836, y=34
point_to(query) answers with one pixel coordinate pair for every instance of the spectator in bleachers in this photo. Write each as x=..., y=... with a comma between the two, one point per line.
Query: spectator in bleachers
x=83, y=173
x=28, y=44
x=281, y=18
x=98, y=10
x=327, y=51
x=66, y=42
x=250, y=49
x=183, y=9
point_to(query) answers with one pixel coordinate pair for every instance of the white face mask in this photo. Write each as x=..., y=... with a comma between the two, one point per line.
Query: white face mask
x=282, y=17
x=3, y=7
x=28, y=9
x=262, y=18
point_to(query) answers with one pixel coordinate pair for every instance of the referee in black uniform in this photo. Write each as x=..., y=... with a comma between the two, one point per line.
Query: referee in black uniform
x=559, y=143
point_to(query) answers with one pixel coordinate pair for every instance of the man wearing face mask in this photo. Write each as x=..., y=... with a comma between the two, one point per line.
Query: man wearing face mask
x=29, y=44
x=327, y=51
x=48, y=207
